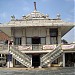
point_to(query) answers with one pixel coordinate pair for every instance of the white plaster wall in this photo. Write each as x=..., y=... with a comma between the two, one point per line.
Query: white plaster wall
x=42, y=32
x=29, y=32
x=36, y=32
x=23, y=41
x=18, y=32
x=59, y=35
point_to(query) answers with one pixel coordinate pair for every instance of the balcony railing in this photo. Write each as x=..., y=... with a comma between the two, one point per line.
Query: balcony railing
x=35, y=47
x=23, y=47
x=68, y=47
x=3, y=47
x=2, y=60
x=38, y=47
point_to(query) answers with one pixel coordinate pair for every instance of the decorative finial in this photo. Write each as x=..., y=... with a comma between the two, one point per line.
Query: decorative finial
x=35, y=6
x=58, y=16
x=47, y=16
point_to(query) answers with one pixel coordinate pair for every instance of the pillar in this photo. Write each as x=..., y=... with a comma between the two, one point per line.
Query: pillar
x=59, y=35
x=12, y=35
x=23, y=36
x=63, y=59
x=23, y=40
x=47, y=36
x=49, y=65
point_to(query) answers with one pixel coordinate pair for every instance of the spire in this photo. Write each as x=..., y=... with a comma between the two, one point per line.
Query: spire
x=35, y=6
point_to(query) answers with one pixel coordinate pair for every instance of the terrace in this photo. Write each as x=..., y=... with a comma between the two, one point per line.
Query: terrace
x=38, y=48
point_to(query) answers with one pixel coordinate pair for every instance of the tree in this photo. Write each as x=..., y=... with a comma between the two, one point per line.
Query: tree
x=64, y=41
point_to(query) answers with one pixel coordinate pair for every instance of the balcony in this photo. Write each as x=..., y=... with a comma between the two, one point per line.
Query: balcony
x=3, y=49
x=2, y=60
x=38, y=48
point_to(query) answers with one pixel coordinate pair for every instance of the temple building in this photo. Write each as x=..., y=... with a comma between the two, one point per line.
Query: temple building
x=35, y=41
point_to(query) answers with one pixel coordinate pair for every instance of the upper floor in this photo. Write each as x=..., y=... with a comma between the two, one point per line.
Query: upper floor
x=36, y=20
x=36, y=35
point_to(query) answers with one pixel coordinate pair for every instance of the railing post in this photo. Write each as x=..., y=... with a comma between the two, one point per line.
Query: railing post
x=63, y=59
x=8, y=46
x=8, y=62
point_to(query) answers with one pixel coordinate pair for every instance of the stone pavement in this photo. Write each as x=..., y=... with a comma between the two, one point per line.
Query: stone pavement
x=46, y=71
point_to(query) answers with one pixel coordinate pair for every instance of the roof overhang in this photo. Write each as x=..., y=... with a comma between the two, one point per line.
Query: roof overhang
x=65, y=26
x=65, y=29
x=6, y=30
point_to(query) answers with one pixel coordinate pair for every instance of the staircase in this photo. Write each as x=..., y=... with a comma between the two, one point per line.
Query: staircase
x=19, y=56
x=51, y=56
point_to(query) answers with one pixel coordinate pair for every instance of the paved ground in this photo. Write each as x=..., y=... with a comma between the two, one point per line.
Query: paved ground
x=50, y=71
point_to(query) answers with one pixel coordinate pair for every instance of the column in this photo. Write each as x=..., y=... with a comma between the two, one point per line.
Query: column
x=63, y=59
x=23, y=36
x=31, y=61
x=59, y=35
x=12, y=35
x=47, y=36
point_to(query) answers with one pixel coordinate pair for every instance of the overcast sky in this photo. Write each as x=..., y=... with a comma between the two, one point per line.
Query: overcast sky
x=51, y=7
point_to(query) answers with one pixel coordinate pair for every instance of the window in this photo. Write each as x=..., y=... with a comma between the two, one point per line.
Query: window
x=53, y=35
x=43, y=40
x=35, y=40
x=17, y=41
x=53, y=32
x=29, y=40
x=53, y=40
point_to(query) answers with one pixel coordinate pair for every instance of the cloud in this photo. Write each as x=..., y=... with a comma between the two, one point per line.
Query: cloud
x=3, y=15
x=72, y=11
x=26, y=9
x=44, y=0
x=70, y=18
x=71, y=0
x=71, y=15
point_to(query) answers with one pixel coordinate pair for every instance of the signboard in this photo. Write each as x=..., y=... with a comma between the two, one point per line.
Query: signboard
x=24, y=47
x=67, y=47
x=49, y=47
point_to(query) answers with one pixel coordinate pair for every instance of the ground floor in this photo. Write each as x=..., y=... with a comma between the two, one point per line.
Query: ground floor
x=65, y=60
x=44, y=71
x=70, y=59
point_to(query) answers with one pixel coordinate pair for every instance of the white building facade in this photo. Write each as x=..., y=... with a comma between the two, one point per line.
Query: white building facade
x=36, y=41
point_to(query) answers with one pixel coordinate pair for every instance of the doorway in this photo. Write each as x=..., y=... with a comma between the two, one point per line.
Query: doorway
x=69, y=59
x=36, y=60
x=36, y=40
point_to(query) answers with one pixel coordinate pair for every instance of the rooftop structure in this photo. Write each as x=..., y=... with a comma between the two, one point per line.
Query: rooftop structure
x=36, y=41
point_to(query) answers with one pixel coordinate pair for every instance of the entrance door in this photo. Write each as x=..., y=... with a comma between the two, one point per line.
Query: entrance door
x=36, y=40
x=69, y=59
x=35, y=60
